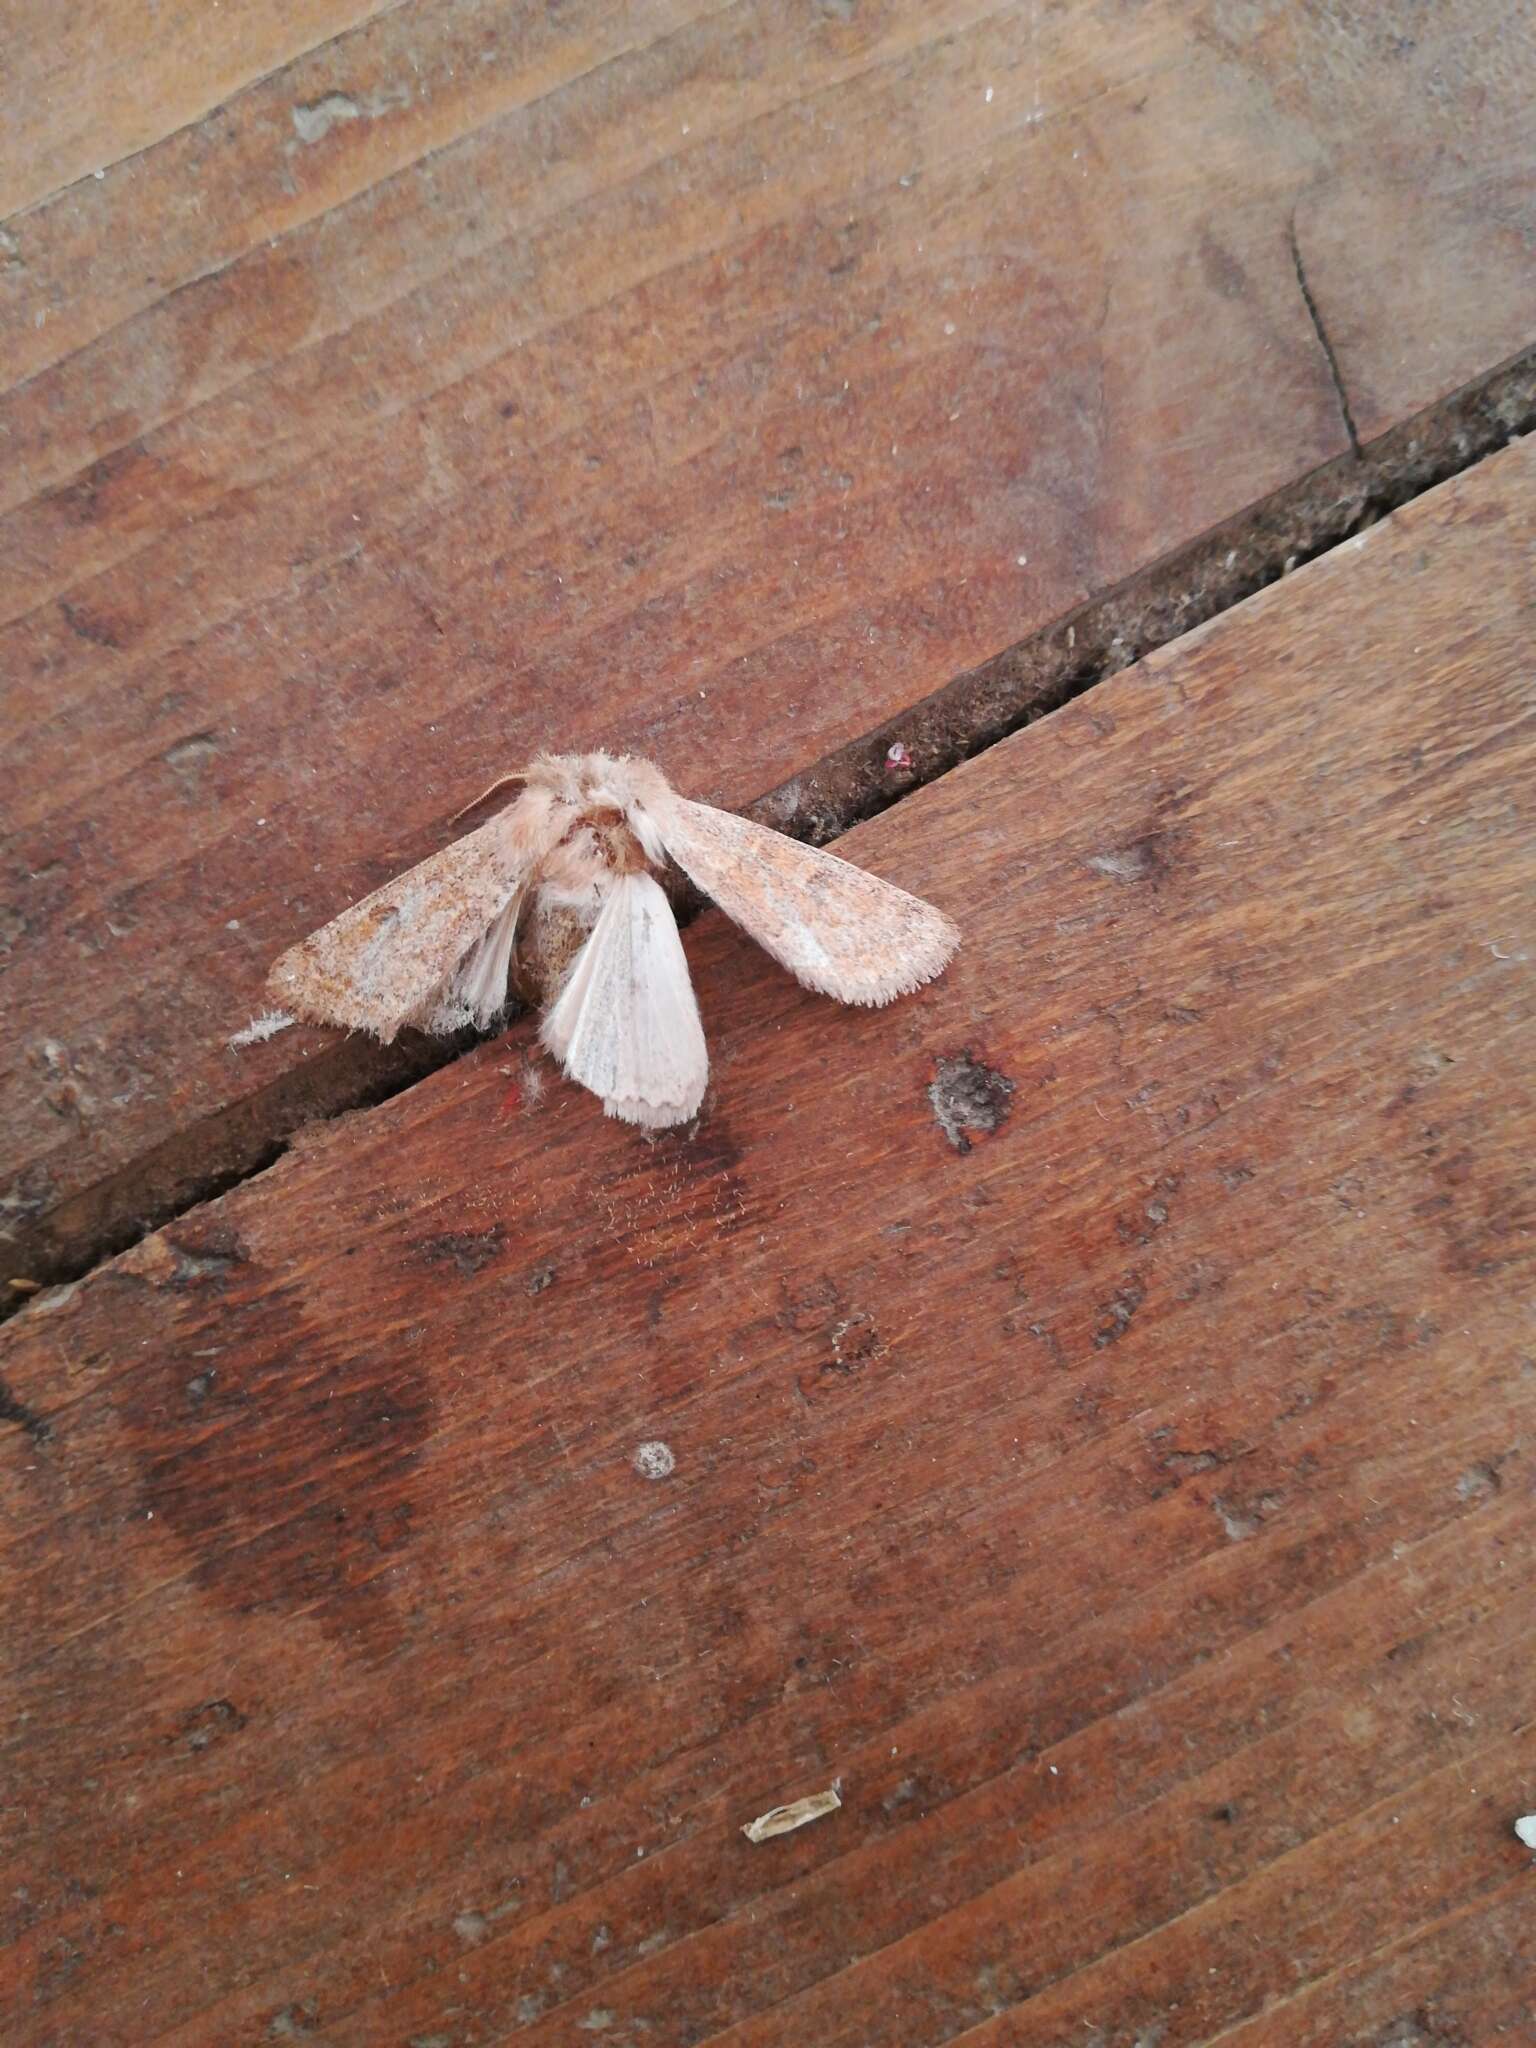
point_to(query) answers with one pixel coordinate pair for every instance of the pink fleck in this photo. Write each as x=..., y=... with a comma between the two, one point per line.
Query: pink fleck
x=898, y=755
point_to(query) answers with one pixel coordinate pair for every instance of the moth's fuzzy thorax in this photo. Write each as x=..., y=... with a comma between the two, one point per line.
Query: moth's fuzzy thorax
x=619, y=785
x=593, y=853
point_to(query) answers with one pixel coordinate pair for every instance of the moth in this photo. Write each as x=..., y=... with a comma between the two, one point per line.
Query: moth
x=557, y=898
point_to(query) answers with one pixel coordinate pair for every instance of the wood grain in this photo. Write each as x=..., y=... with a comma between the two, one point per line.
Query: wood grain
x=1099, y=1398
x=712, y=381
x=90, y=84
x=1462, y=282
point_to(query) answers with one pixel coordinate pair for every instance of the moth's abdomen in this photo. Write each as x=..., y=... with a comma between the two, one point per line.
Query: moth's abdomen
x=548, y=939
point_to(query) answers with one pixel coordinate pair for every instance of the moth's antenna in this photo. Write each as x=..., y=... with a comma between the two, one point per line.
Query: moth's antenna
x=501, y=782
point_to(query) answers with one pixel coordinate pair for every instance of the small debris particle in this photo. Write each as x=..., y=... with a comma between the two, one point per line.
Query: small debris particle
x=190, y=756
x=261, y=1028
x=539, y=1279
x=1185, y=1464
x=209, y=1724
x=1525, y=1829
x=1119, y=1312
x=471, y=1927
x=293, y=2021
x=898, y=755
x=313, y=122
x=654, y=1460
x=968, y=1097
x=467, y=1251
x=1134, y=863
x=1480, y=1481
x=783, y=1820
x=527, y=1089
x=1242, y=1520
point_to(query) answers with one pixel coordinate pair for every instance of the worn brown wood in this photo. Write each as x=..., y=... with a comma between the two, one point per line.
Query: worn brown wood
x=87, y=86
x=1126, y=1497
x=705, y=380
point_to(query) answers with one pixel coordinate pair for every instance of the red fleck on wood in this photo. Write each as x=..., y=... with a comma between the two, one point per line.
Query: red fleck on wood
x=1098, y=1394
x=482, y=378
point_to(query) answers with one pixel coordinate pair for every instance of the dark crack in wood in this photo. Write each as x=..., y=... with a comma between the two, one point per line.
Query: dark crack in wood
x=1323, y=342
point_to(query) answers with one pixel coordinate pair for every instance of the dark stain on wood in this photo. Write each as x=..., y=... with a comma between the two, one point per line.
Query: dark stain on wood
x=212, y=1722
x=285, y=1467
x=970, y=1100
x=20, y=1416
x=466, y=1252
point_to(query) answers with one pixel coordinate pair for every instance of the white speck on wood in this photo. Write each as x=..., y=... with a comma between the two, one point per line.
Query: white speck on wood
x=783, y=1820
x=654, y=1460
x=314, y=122
x=1525, y=1828
x=266, y=1026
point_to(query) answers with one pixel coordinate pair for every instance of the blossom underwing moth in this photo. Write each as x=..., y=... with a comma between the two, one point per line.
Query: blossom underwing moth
x=557, y=897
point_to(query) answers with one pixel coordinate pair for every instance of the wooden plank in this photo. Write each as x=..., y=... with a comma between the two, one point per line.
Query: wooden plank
x=312, y=135
x=1459, y=243
x=1466, y=1977
x=1127, y=1503
x=86, y=86
x=665, y=380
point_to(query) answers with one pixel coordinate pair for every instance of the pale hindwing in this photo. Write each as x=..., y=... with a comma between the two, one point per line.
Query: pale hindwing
x=834, y=926
x=416, y=950
x=626, y=1024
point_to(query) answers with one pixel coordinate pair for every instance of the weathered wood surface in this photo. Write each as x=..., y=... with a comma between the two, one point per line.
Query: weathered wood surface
x=1129, y=1505
x=87, y=86
x=711, y=381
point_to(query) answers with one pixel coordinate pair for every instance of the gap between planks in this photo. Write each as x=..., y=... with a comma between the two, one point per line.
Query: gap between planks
x=972, y=712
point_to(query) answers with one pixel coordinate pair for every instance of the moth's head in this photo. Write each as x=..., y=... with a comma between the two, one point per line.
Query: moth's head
x=619, y=847
x=602, y=785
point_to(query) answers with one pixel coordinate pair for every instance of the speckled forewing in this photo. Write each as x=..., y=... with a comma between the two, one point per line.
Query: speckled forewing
x=381, y=963
x=834, y=926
